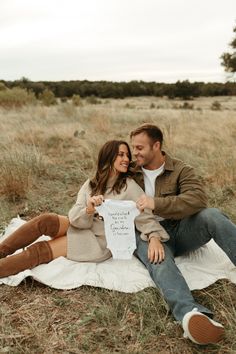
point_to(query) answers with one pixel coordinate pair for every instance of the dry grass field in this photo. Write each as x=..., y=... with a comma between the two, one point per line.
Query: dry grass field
x=46, y=153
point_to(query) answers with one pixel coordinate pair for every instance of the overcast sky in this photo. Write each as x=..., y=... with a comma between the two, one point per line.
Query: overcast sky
x=118, y=40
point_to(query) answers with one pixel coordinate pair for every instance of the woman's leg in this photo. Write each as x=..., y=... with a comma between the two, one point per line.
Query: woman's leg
x=63, y=226
x=38, y=253
x=49, y=224
x=58, y=246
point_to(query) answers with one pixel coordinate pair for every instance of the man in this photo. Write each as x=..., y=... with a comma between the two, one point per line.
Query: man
x=177, y=197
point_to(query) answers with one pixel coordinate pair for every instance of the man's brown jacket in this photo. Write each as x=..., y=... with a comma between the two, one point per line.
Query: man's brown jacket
x=178, y=191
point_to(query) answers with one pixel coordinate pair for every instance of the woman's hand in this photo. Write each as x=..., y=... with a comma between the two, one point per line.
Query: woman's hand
x=145, y=202
x=93, y=202
x=156, y=253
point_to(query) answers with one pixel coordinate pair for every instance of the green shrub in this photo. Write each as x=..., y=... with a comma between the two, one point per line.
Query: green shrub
x=129, y=105
x=186, y=105
x=93, y=100
x=47, y=97
x=216, y=106
x=16, y=97
x=76, y=100
x=2, y=87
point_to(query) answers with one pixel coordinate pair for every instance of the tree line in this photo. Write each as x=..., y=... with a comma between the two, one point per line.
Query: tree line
x=108, y=89
x=229, y=58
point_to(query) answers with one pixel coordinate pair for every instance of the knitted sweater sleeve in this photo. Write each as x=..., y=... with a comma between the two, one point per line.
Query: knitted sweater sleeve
x=77, y=214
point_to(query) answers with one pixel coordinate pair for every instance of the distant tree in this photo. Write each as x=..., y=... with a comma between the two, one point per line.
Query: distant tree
x=110, y=89
x=184, y=89
x=216, y=89
x=36, y=87
x=24, y=79
x=22, y=82
x=229, y=59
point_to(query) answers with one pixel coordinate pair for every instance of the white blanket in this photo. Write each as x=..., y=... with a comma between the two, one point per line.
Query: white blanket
x=200, y=269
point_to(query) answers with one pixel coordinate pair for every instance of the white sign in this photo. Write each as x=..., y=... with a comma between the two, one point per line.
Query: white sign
x=119, y=218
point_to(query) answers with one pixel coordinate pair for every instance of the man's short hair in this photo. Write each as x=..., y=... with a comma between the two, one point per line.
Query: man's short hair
x=153, y=132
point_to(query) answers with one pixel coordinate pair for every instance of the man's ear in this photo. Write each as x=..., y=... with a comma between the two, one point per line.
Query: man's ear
x=157, y=146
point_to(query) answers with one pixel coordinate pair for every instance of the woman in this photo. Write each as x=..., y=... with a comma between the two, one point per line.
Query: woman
x=83, y=232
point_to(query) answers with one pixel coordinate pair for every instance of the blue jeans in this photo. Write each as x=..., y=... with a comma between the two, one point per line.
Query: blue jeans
x=187, y=235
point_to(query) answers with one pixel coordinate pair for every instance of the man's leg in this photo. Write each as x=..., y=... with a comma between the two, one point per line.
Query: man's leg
x=190, y=234
x=196, y=230
x=169, y=280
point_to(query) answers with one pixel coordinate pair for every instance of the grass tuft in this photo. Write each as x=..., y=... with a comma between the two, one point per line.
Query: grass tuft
x=19, y=167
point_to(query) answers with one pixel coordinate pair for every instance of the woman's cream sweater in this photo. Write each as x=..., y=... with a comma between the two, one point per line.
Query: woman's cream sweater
x=86, y=235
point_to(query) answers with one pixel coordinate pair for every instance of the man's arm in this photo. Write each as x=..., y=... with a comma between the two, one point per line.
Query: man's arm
x=190, y=198
x=177, y=200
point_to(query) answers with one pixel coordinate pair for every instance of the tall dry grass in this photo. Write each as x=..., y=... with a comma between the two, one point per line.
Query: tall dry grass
x=20, y=166
x=46, y=153
x=16, y=97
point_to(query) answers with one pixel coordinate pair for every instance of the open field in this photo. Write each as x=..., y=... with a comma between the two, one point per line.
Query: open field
x=46, y=153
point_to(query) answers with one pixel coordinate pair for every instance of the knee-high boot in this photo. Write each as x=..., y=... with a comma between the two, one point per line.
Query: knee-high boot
x=38, y=253
x=44, y=224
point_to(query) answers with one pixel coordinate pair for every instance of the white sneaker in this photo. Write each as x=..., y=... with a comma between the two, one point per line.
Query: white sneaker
x=200, y=329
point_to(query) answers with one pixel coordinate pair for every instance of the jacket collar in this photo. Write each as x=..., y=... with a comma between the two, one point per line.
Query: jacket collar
x=169, y=164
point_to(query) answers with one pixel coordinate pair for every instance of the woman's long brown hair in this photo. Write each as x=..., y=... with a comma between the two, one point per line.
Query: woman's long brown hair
x=106, y=158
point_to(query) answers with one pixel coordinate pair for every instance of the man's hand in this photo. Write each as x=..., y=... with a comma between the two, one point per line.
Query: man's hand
x=145, y=202
x=156, y=253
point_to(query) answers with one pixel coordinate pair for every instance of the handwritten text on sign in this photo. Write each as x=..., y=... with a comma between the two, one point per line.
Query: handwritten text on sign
x=119, y=225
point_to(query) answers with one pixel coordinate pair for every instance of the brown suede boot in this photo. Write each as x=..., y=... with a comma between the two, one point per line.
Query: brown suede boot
x=44, y=224
x=38, y=253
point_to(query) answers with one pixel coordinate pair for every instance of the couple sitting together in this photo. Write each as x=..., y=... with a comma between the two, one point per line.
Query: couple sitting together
x=174, y=220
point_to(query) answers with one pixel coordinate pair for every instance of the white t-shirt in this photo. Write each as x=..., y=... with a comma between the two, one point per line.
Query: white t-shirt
x=149, y=182
x=119, y=227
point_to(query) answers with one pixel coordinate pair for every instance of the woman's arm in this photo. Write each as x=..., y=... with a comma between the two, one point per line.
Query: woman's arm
x=80, y=215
